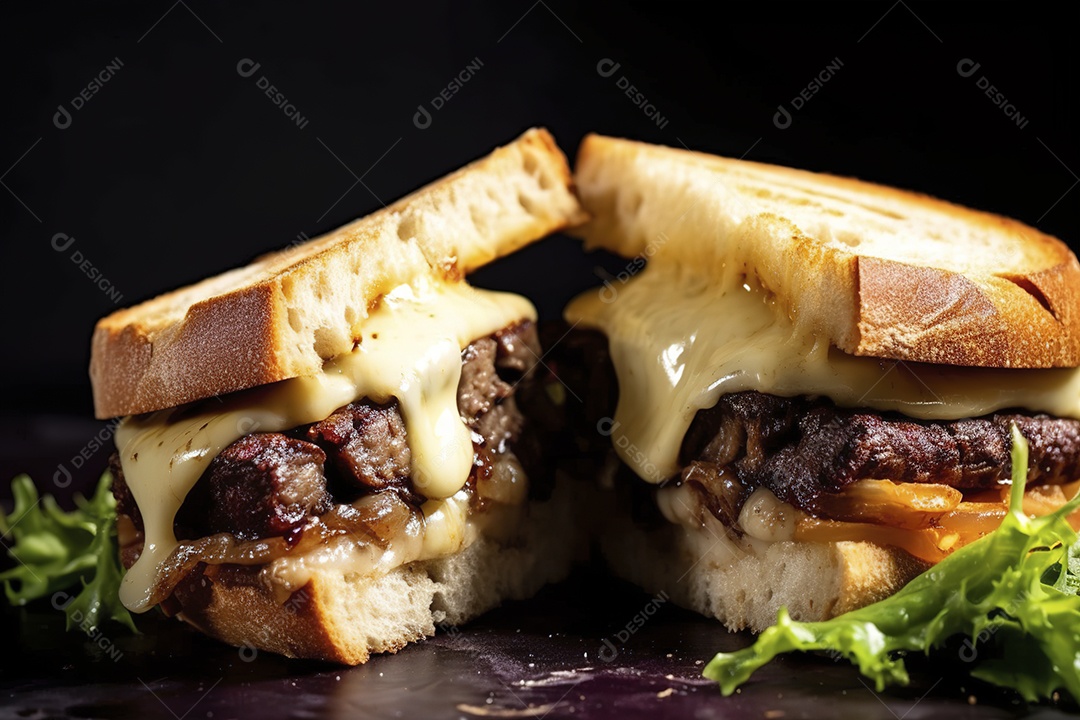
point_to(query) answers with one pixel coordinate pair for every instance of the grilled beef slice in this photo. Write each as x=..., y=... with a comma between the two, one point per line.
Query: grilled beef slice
x=269, y=484
x=799, y=447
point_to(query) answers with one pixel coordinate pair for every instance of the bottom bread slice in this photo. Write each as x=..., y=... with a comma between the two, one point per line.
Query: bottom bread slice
x=345, y=619
x=743, y=585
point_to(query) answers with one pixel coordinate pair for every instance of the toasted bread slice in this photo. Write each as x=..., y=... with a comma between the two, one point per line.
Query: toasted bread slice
x=813, y=580
x=346, y=618
x=285, y=314
x=879, y=272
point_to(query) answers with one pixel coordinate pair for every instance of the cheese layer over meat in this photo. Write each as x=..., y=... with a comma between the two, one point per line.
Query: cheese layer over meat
x=410, y=349
x=680, y=337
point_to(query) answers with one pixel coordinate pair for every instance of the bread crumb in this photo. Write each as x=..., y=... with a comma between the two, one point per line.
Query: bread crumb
x=665, y=693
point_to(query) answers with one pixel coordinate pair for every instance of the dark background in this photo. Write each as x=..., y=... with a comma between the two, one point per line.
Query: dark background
x=179, y=167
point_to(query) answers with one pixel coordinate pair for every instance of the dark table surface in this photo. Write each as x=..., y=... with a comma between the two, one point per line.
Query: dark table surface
x=544, y=657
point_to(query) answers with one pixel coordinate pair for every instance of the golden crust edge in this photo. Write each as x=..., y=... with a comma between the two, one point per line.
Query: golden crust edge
x=868, y=327
x=127, y=379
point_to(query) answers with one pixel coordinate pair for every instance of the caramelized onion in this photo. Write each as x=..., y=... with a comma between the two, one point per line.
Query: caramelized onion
x=217, y=549
x=919, y=543
x=970, y=520
x=506, y=483
x=377, y=518
x=374, y=519
x=883, y=502
x=717, y=488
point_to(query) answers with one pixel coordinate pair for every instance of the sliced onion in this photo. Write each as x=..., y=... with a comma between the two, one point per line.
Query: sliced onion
x=967, y=522
x=375, y=519
x=506, y=483
x=919, y=543
x=217, y=549
x=883, y=502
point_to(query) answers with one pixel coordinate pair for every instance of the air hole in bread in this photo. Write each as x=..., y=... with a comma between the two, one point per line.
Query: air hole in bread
x=740, y=597
x=324, y=342
x=406, y=229
x=294, y=320
x=849, y=239
x=525, y=202
x=635, y=204
x=545, y=181
x=529, y=163
x=1031, y=289
x=479, y=218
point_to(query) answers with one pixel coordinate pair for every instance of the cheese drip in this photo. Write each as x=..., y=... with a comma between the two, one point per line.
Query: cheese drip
x=410, y=349
x=681, y=337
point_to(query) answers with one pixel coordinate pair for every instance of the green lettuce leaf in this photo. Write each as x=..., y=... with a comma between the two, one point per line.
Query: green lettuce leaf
x=994, y=592
x=56, y=551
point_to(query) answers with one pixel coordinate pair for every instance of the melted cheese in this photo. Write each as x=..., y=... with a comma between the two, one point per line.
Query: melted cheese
x=681, y=337
x=410, y=349
x=447, y=527
x=704, y=539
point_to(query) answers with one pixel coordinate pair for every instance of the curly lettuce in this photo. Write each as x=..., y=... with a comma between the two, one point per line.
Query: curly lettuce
x=1012, y=593
x=55, y=551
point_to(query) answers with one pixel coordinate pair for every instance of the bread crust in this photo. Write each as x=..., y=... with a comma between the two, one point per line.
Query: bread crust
x=346, y=619
x=745, y=589
x=285, y=314
x=880, y=272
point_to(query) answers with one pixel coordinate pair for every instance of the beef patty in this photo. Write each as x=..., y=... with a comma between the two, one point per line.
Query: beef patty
x=800, y=448
x=271, y=484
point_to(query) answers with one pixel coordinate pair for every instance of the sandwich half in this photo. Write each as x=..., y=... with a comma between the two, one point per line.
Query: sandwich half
x=810, y=380
x=323, y=453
